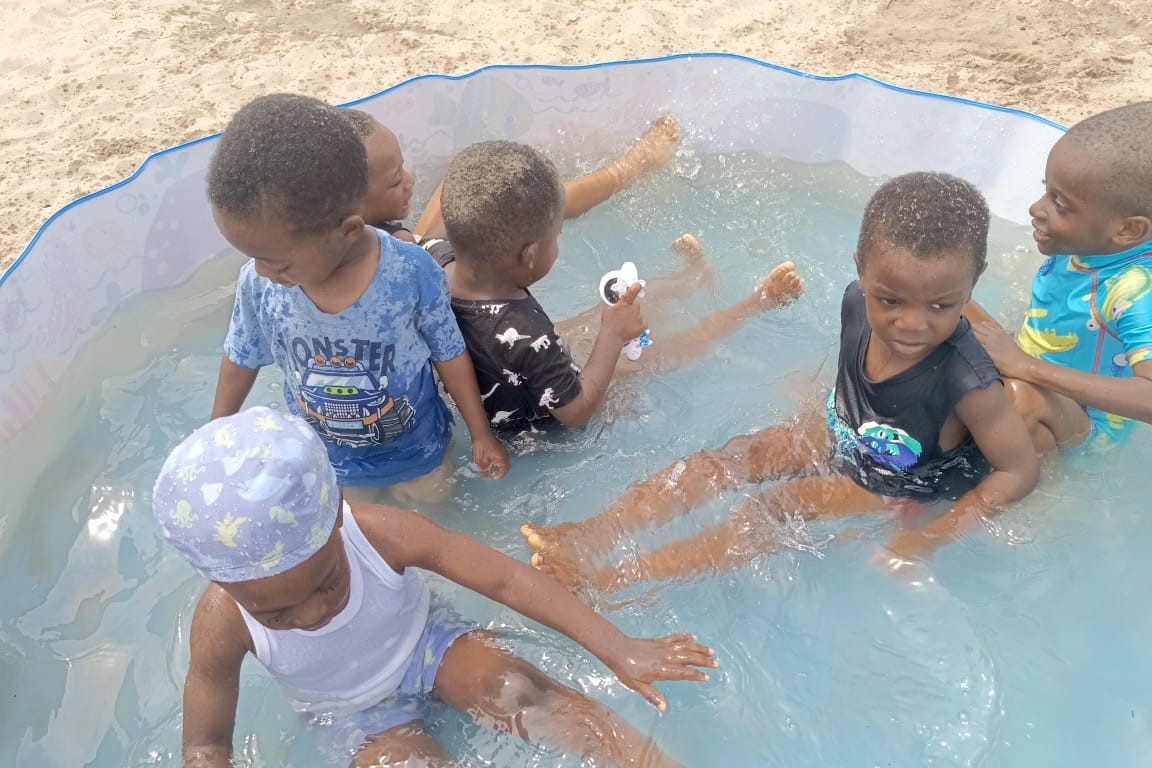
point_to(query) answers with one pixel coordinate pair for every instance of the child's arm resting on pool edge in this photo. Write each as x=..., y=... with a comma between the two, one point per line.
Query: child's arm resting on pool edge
x=211, y=690
x=406, y=539
x=1000, y=433
x=232, y=387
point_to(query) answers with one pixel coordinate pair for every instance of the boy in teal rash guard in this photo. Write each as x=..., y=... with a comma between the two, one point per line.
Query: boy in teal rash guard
x=1080, y=370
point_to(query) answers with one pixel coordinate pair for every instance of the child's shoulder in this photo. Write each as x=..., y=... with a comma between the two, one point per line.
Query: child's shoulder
x=969, y=366
x=400, y=254
x=218, y=617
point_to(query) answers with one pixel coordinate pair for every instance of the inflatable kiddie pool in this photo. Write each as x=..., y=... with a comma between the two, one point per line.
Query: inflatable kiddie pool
x=1026, y=647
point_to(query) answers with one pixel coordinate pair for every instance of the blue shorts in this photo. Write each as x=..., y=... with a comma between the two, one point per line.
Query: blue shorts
x=341, y=737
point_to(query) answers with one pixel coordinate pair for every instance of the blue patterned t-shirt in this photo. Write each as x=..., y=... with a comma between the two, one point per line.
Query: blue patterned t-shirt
x=362, y=377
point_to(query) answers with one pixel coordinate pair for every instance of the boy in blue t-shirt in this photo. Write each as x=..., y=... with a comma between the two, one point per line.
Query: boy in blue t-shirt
x=355, y=319
x=1081, y=367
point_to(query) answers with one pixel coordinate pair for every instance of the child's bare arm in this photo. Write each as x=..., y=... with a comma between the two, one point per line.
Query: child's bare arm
x=213, y=684
x=1131, y=398
x=620, y=322
x=1000, y=433
x=459, y=379
x=232, y=387
x=407, y=539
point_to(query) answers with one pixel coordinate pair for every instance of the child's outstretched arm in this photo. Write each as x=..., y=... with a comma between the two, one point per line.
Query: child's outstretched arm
x=232, y=387
x=620, y=322
x=1131, y=398
x=213, y=684
x=1000, y=433
x=459, y=377
x=407, y=539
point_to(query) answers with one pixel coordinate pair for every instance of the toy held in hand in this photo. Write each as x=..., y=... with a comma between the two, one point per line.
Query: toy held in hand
x=613, y=285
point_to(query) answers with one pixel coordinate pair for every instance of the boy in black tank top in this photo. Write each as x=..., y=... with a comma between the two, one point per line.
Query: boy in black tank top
x=917, y=401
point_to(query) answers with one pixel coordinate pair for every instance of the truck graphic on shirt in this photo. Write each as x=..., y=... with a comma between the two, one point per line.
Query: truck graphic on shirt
x=348, y=405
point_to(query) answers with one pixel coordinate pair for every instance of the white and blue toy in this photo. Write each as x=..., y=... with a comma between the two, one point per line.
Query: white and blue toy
x=613, y=285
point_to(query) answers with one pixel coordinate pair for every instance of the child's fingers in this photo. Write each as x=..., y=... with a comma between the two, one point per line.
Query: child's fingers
x=651, y=695
x=629, y=297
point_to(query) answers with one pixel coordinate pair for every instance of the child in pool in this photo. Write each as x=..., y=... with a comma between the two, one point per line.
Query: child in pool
x=916, y=410
x=327, y=596
x=1080, y=370
x=356, y=320
x=503, y=207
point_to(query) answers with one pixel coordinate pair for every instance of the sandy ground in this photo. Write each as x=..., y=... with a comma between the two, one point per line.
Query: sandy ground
x=91, y=87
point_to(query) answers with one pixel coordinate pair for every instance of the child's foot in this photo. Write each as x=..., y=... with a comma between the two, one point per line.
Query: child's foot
x=651, y=151
x=559, y=568
x=782, y=287
x=688, y=248
x=697, y=271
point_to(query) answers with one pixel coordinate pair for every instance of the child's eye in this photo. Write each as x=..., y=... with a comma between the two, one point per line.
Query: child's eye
x=886, y=301
x=942, y=307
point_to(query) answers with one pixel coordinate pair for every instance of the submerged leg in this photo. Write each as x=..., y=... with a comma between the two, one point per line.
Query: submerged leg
x=794, y=448
x=780, y=288
x=509, y=695
x=733, y=544
x=683, y=281
x=405, y=745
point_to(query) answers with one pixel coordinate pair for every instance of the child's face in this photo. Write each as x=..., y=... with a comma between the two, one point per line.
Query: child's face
x=1071, y=218
x=914, y=304
x=283, y=256
x=306, y=597
x=390, y=186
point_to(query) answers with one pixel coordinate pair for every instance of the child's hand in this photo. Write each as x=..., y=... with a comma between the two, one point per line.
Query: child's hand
x=907, y=558
x=638, y=663
x=1002, y=348
x=623, y=319
x=490, y=455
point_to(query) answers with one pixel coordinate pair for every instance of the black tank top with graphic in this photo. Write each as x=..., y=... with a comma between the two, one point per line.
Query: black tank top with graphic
x=887, y=433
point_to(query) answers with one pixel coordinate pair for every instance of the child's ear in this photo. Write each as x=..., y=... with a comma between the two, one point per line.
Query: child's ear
x=528, y=254
x=350, y=227
x=856, y=261
x=1133, y=231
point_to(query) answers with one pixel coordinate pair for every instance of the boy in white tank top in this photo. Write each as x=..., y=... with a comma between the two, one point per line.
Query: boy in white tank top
x=328, y=598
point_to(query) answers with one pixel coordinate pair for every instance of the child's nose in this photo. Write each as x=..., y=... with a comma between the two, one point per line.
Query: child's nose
x=912, y=320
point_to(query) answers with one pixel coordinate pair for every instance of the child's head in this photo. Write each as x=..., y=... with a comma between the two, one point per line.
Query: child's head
x=251, y=502
x=923, y=244
x=285, y=185
x=1098, y=186
x=503, y=206
x=390, y=185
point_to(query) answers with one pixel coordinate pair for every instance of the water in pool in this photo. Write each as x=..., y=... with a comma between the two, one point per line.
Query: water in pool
x=1028, y=648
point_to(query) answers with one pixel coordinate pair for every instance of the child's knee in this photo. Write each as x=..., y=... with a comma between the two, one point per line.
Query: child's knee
x=539, y=701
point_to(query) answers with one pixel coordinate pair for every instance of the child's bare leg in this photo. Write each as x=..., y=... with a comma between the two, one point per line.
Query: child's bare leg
x=404, y=745
x=582, y=194
x=1053, y=421
x=780, y=288
x=431, y=221
x=649, y=153
x=681, y=282
x=510, y=695
x=784, y=450
x=733, y=544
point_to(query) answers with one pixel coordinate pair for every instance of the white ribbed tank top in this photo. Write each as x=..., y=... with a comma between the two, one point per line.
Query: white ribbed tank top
x=360, y=657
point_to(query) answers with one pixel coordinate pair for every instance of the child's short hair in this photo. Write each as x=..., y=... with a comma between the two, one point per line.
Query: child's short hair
x=1117, y=145
x=292, y=156
x=499, y=196
x=363, y=122
x=927, y=214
